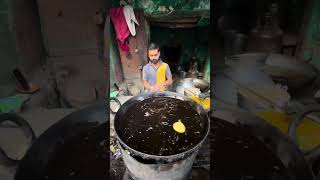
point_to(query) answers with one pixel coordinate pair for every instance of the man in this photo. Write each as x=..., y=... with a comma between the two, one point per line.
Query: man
x=156, y=74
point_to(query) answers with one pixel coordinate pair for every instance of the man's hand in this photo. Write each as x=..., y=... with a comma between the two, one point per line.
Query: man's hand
x=154, y=88
x=159, y=86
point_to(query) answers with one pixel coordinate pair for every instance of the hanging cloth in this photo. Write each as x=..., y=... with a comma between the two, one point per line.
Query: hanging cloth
x=121, y=27
x=130, y=19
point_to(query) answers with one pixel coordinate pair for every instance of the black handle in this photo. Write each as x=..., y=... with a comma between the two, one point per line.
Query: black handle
x=21, y=80
x=312, y=155
x=27, y=130
x=116, y=85
x=117, y=101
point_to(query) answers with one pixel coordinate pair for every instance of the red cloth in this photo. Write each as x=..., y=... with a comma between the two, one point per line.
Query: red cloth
x=121, y=27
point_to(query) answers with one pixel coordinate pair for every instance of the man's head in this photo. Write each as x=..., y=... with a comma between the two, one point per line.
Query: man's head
x=154, y=53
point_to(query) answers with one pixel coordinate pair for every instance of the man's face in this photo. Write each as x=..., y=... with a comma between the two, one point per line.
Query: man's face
x=154, y=55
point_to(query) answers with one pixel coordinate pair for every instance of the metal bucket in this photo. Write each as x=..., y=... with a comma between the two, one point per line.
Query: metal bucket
x=146, y=166
x=183, y=74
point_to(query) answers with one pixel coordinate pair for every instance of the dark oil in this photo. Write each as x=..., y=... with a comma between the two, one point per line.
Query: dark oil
x=148, y=126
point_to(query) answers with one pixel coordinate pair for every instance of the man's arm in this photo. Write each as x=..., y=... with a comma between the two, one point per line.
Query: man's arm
x=147, y=85
x=168, y=82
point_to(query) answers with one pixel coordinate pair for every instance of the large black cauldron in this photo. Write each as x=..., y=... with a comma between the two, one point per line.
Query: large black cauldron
x=76, y=147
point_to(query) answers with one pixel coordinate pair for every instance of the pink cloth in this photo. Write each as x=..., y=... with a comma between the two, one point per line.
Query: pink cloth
x=121, y=27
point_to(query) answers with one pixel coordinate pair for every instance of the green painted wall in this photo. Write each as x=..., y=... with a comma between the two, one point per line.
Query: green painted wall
x=4, y=15
x=8, y=53
x=312, y=36
x=207, y=70
x=166, y=6
x=173, y=8
x=153, y=6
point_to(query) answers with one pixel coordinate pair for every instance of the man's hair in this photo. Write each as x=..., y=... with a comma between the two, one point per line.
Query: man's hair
x=153, y=46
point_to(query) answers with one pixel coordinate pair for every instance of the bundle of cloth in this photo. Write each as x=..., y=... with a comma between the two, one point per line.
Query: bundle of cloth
x=124, y=21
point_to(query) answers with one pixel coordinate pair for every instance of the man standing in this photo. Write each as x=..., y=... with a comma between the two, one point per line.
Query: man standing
x=156, y=74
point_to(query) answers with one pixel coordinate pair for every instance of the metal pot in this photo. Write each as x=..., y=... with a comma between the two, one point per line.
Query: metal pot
x=266, y=37
x=183, y=84
x=293, y=72
x=147, y=166
x=201, y=84
x=234, y=42
x=192, y=82
x=183, y=74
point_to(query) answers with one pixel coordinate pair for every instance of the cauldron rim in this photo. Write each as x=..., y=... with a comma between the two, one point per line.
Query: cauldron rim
x=46, y=145
x=167, y=158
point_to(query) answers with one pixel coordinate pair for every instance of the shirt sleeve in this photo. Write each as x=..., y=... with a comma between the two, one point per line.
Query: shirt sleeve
x=168, y=71
x=144, y=73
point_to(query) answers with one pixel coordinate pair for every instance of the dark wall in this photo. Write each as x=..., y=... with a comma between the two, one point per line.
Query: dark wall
x=242, y=14
x=21, y=42
x=183, y=44
x=238, y=14
x=27, y=31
